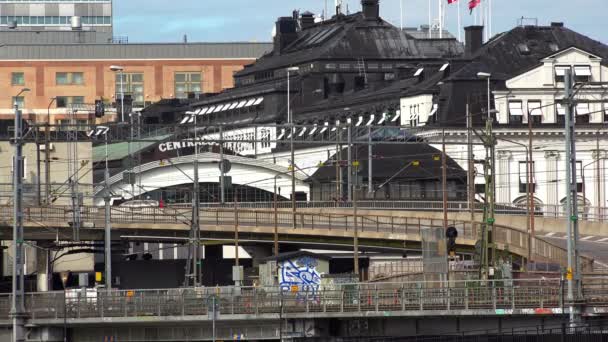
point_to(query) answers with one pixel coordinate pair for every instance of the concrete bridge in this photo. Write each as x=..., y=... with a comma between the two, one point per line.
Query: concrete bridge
x=385, y=309
x=328, y=226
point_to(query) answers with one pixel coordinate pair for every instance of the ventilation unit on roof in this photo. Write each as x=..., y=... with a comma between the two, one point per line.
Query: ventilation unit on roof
x=76, y=23
x=12, y=24
x=523, y=49
x=554, y=47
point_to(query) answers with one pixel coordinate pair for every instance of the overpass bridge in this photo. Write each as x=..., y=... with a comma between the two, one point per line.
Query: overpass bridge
x=374, y=229
x=329, y=309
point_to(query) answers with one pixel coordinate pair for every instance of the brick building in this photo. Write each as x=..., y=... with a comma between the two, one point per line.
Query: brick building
x=63, y=76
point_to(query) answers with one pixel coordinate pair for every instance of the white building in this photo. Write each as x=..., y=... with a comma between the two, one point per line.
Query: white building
x=527, y=65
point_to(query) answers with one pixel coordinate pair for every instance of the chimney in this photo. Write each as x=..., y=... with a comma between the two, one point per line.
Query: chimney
x=286, y=33
x=371, y=9
x=473, y=39
x=307, y=20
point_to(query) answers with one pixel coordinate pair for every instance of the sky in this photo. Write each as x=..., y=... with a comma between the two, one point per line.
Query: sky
x=252, y=20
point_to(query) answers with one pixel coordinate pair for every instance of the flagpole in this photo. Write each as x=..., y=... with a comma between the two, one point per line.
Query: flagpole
x=440, y=18
x=430, y=21
x=459, y=23
x=490, y=18
x=401, y=13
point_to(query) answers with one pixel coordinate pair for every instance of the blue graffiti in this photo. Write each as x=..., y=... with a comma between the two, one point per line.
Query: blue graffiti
x=301, y=273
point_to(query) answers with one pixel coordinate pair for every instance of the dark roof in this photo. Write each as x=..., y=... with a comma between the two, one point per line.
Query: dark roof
x=391, y=159
x=504, y=57
x=352, y=36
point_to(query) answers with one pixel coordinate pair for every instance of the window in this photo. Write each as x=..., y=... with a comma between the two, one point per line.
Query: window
x=606, y=112
x=582, y=113
x=535, y=109
x=560, y=73
x=19, y=101
x=132, y=84
x=187, y=82
x=516, y=111
x=560, y=110
x=69, y=78
x=68, y=101
x=582, y=73
x=17, y=79
x=523, y=177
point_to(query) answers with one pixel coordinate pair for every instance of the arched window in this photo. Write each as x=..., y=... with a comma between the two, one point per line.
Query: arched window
x=583, y=206
x=522, y=202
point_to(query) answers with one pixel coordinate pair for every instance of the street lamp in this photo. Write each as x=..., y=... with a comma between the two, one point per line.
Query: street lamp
x=488, y=77
x=64, y=281
x=293, y=162
x=276, y=218
x=119, y=70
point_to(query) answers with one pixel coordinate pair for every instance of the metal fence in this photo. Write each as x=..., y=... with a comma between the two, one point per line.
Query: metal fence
x=376, y=226
x=506, y=295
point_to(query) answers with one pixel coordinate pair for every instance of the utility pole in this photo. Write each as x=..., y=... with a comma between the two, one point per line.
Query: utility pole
x=349, y=175
x=531, y=190
x=572, y=273
x=18, y=295
x=196, y=228
x=108, y=221
x=370, y=157
x=444, y=182
x=222, y=171
x=471, y=165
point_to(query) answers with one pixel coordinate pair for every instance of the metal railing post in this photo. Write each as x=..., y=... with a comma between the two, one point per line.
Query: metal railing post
x=420, y=297
x=493, y=296
x=466, y=297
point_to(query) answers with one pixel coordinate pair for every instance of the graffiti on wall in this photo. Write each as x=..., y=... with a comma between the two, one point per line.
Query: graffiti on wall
x=301, y=272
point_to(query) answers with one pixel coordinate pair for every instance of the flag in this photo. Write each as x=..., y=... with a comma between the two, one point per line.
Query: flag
x=473, y=4
x=452, y=1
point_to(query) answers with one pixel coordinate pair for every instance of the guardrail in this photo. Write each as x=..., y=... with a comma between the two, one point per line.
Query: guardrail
x=587, y=213
x=508, y=296
x=385, y=226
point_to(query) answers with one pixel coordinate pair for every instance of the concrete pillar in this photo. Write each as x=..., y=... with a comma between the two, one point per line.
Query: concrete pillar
x=43, y=270
x=258, y=253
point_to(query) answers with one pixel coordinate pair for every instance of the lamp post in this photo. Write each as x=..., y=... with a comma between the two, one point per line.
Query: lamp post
x=276, y=218
x=18, y=295
x=292, y=133
x=64, y=281
x=119, y=70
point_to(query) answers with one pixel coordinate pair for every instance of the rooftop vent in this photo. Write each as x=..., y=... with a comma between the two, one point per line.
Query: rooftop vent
x=473, y=39
x=12, y=24
x=307, y=20
x=371, y=9
x=557, y=24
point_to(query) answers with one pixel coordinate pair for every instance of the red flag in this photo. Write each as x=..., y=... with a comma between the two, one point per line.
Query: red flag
x=452, y=1
x=473, y=4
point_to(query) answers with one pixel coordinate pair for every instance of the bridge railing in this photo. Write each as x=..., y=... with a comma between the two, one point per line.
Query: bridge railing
x=410, y=229
x=506, y=295
x=587, y=213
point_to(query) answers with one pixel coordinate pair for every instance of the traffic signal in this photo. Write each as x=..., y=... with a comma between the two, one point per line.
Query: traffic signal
x=100, y=109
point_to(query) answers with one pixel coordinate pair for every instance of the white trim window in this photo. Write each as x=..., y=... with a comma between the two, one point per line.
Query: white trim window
x=516, y=111
x=560, y=73
x=582, y=73
x=582, y=109
x=523, y=177
x=535, y=111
